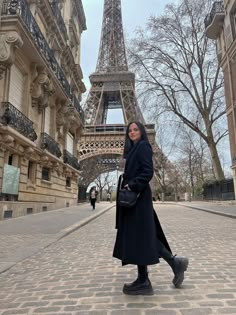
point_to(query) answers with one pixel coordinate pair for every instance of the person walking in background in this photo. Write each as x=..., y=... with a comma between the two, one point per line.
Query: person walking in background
x=140, y=239
x=108, y=196
x=93, y=197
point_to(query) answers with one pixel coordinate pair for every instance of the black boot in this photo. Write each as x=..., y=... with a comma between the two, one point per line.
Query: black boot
x=142, y=285
x=178, y=264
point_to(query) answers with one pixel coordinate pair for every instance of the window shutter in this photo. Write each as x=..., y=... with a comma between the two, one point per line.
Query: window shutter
x=228, y=32
x=16, y=88
x=70, y=143
x=47, y=120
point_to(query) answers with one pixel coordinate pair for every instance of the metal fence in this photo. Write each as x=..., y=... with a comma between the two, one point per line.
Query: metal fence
x=219, y=190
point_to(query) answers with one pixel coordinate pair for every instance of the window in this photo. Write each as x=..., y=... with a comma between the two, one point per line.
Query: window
x=46, y=173
x=16, y=89
x=10, y=159
x=47, y=114
x=234, y=22
x=31, y=172
x=70, y=143
x=228, y=31
x=68, y=182
x=29, y=210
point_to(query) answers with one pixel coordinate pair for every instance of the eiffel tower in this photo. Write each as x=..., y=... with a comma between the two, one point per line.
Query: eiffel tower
x=112, y=86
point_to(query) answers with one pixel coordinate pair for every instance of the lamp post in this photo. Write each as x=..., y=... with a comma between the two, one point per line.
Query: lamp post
x=117, y=177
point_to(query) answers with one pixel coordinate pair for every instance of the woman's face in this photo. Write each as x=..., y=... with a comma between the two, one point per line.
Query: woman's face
x=134, y=133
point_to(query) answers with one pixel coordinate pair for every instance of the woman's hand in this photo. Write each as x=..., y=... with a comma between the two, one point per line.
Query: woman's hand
x=127, y=187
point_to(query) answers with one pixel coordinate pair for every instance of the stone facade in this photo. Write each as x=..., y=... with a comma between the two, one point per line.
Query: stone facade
x=221, y=26
x=41, y=119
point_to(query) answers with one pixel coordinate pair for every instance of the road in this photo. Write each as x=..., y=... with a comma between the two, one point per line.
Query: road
x=73, y=272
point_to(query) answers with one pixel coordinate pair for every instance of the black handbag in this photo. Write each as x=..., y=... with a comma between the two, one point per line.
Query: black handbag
x=126, y=198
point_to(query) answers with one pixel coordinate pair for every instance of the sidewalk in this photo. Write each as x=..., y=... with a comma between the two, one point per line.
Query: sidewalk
x=24, y=236
x=224, y=208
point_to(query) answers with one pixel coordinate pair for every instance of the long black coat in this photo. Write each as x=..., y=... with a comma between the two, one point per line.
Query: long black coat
x=138, y=228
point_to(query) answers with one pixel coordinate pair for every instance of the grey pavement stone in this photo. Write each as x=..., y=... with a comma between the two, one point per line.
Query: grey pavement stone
x=211, y=303
x=77, y=308
x=35, y=304
x=141, y=305
x=176, y=305
x=231, y=311
x=220, y=296
x=91, y=313
x=161, y=312
x=126, y=312
x=47, y=309
x=16, y=312
x=197, y=311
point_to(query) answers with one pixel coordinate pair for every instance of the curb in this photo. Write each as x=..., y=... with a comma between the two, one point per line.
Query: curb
x=232, y=216
x=65, y=232
x=224, y=214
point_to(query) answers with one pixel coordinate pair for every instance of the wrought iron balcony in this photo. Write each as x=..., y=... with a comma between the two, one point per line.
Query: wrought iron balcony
x=214, y=20
x=78, y=107
x=11, y=116
x=71, y=160
x=57, y=13
x=50, y=144
x=21, y=8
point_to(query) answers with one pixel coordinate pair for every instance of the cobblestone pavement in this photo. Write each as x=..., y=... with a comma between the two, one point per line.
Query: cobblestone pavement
x=77, y=274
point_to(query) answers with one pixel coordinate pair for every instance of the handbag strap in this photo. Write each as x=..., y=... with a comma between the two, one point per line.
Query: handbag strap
x=120, y=181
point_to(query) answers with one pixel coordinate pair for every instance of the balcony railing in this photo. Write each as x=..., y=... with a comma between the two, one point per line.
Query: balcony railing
x=119, y=128
x=105, y=128
x=49, y=144
x=11, y=116
x=78, y=107
x=218, y=7
x=71, y=160
x=57, y=13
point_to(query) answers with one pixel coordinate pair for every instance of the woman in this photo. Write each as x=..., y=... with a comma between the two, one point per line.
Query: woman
x=93, y=195
x=140, y=239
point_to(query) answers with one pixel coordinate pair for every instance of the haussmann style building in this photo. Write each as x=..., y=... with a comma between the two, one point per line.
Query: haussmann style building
x=221, y=26
x=41, y=119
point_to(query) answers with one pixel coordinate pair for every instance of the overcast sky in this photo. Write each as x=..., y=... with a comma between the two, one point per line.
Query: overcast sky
x=135, y=13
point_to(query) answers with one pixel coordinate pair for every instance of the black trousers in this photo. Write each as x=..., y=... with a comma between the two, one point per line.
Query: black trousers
x=93, y=200
x=164, y=253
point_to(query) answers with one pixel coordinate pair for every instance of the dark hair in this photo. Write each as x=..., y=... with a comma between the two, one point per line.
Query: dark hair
x=129, y=143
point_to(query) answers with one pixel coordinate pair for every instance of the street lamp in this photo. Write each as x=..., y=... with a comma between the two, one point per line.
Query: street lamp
x=117, y=169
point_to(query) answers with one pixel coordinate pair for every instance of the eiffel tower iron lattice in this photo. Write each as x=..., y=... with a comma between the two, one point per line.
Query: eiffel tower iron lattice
x=112, y=86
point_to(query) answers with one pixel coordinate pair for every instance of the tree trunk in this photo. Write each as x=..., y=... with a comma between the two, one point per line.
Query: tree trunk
x=215, y=157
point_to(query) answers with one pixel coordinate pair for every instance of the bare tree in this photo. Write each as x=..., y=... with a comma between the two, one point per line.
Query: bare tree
x=193, y=165
x=166, y=141
x=103, y=181
x=179, y=72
